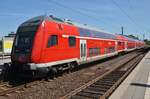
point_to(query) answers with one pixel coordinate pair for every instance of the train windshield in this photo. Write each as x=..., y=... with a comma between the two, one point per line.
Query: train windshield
x=24, y=38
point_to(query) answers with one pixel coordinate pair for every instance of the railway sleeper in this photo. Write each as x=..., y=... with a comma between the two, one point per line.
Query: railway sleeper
x=112, y=75
x=105, y=82
x=89, y=94
x=81, y=97
x=115, y=75
x=78, y=97
x=118, y=71
x=100, y=86
x=110, y=79
x=98, y=89
x=93, y=91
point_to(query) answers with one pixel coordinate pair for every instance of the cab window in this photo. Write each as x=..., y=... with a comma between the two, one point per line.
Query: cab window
x=52, y=41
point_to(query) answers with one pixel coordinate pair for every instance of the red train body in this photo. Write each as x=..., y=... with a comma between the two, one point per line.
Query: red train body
x=47, y=42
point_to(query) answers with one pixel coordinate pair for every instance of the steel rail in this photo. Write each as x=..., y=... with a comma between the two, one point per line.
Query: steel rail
x=84, y=90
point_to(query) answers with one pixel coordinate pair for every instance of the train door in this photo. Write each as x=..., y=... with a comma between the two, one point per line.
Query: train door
x=83, y=50
x=116, y=46
x=135, y=45
x=126, y=45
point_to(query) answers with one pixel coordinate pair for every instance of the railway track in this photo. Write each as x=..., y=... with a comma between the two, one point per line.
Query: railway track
x=5, y=88
x=104, y=85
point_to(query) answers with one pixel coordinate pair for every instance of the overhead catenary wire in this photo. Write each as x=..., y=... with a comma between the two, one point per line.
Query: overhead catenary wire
x=98, y=19
x=128, y=16
x=123, y=11
x=78, y=11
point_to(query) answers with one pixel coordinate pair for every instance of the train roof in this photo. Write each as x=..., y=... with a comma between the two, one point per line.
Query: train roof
x=120, y=37
x=34, y=21
x=123, y=37
x=85, y=30
x=95, y=32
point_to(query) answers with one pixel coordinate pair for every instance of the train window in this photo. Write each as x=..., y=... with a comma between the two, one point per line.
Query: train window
x=35, y=21
x=106, y=50
x=87, y=33
x=52, y=41
x=24, y=40
x=84, y=32
x=111, y=49
x=94, y=51
x=72, y=41
x=119, y=43
x=27, y=29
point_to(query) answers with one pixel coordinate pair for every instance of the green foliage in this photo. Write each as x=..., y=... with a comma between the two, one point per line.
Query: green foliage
x=0, y=46
x=147, y=41
x=132, y=36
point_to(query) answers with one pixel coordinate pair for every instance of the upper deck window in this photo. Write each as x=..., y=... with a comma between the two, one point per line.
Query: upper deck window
x=119, y=43
x=84, y=32
x=95, y=34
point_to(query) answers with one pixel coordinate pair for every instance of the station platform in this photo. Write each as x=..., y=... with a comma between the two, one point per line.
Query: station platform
x=137, y=84
x=2, y=61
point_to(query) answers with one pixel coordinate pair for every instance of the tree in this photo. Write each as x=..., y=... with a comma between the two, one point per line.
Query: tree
x=147, y=41
x=0, y=45
x=132, y=36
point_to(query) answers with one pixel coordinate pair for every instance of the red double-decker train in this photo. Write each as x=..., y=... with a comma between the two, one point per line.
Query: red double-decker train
x=48, y=44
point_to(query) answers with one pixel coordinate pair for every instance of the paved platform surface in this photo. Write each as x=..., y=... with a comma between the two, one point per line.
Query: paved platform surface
x=137, y=84
x=2, y=61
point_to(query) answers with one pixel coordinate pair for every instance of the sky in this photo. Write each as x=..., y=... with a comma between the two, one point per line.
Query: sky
x=108, y=15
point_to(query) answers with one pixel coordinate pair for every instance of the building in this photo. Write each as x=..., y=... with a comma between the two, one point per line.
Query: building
x=6, y=43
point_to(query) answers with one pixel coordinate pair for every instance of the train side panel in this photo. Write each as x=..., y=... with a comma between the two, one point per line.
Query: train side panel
x=38, y=45
x=60, y=51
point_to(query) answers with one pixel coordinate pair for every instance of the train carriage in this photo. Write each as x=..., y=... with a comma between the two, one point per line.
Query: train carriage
x=131, y=44
x=122, y=43
x=45, y=43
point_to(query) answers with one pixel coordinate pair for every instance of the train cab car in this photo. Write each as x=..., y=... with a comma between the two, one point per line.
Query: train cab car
x=39, y=44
